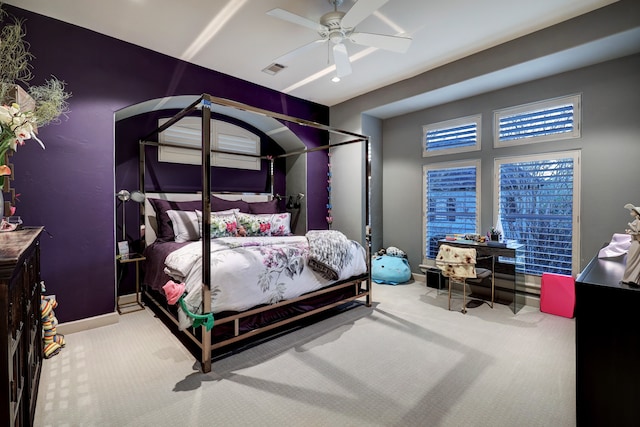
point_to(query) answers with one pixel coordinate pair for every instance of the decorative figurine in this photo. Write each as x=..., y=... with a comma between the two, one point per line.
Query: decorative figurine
x=632, y=270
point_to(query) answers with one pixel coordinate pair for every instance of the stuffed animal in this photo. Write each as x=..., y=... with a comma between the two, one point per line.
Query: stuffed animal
x=390, y=270
x=393, y=251
x=381, y=251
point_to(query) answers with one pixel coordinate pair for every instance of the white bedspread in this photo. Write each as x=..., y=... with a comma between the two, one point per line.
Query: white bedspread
x=250, y=271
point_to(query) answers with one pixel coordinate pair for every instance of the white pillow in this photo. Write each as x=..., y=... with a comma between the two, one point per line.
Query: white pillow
x=185, y=225
x=281, y=224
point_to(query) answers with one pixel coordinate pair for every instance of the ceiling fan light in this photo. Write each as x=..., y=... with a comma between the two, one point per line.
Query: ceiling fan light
x=335, y=79
x=336, y=37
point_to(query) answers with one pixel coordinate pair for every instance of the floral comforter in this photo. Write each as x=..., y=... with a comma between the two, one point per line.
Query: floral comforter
x=250, y=271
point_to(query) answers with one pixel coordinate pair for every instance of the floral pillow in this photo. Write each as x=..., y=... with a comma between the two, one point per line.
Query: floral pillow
x=222, y=225
x=255, y=225
x=281, y=224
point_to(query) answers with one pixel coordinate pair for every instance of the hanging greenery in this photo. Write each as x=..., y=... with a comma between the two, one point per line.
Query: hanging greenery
x=15, y=69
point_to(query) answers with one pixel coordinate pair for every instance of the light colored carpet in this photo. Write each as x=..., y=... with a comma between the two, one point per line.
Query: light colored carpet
x=406, y=361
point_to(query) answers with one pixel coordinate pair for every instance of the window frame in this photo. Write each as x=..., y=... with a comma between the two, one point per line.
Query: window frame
x=425, y=209
x=575, y=238
x=575, y=99
x=476, y=118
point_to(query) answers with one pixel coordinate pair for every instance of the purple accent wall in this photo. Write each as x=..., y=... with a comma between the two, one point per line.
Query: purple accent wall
x=69, y=187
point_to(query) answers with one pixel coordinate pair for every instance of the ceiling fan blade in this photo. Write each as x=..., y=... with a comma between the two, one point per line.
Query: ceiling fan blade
x=381, y=41
x=360, y=11
x=341, y=59
x=296, y=19
x=297, y=51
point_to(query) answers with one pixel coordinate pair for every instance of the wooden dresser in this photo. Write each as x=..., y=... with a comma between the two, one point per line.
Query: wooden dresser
x=20, y=325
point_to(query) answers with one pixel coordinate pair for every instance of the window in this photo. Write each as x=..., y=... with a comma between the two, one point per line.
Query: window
x=450, y=202
x=224, y=137
x=537, y=199
x=538, y=122
x=452, y=136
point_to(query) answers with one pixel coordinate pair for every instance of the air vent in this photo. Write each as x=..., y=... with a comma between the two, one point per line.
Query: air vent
x=273, y=69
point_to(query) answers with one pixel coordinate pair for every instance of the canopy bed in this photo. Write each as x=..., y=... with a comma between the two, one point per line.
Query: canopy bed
x=242, y=271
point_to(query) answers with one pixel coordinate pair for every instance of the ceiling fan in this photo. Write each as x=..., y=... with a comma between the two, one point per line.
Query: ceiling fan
x=338, y=26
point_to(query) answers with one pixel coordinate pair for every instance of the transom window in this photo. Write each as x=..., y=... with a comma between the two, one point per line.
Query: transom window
x=451, y=203
x=224, y=137
x=549, y=120
x=452, y=136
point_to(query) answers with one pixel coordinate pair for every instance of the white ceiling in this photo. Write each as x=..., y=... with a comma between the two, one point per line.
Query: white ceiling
x=238, y=38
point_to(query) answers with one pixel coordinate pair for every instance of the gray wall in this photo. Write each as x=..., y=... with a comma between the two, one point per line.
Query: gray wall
x=609, y=145
x=609, y=141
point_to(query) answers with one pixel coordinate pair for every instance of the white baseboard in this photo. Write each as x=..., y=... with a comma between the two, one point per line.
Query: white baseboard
x=96, y=321
x=88, y=323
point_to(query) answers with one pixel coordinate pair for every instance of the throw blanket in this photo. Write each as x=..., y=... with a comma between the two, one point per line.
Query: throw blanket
x=329, y=252
x=456, y=262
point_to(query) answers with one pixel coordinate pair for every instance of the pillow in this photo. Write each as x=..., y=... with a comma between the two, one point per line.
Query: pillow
x=222, y=225
x=255, y=225
x=165, y=228
x=281, y=224
x=270, y=207
x=185, y=225
x=218, y=204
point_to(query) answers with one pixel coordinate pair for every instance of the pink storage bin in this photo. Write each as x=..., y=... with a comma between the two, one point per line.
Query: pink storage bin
x=557, y=294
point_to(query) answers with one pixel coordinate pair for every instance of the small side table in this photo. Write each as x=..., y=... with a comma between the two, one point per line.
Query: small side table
x=135, y=258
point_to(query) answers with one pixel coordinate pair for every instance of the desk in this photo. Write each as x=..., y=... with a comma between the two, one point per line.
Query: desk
x=514, y=266
x=607, y=345
x=135, y=258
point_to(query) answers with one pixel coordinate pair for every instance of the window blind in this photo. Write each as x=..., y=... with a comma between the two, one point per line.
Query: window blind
x=451, y=204
x=451, y=137
x=224, y=137
x=536, y=209
x=548, y=121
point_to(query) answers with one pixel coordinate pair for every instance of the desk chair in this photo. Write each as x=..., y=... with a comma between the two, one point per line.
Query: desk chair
x=459, y=265
x=482, y=274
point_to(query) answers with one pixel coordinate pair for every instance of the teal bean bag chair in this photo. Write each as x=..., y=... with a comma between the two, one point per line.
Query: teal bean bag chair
x=390, y=270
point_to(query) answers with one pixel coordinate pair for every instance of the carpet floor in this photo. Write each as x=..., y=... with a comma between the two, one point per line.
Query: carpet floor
x=405, y=361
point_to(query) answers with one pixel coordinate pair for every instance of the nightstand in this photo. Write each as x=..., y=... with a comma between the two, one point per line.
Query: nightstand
x=136, y=305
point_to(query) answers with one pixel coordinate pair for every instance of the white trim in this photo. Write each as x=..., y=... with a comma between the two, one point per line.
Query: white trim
x=88, y=323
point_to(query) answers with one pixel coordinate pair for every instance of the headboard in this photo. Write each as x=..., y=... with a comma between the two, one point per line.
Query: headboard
x=150, y=222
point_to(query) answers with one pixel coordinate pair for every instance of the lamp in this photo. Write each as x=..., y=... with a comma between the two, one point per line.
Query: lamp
x=124, y=196
x=293, y=202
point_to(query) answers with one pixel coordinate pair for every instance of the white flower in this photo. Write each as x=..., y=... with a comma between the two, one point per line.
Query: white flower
x=5, y=115
x=21, y=124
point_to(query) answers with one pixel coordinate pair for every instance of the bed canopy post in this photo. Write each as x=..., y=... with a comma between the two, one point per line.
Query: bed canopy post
x=271, y=177
x=367, y=216
x=206, y=228
x=141, y=173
